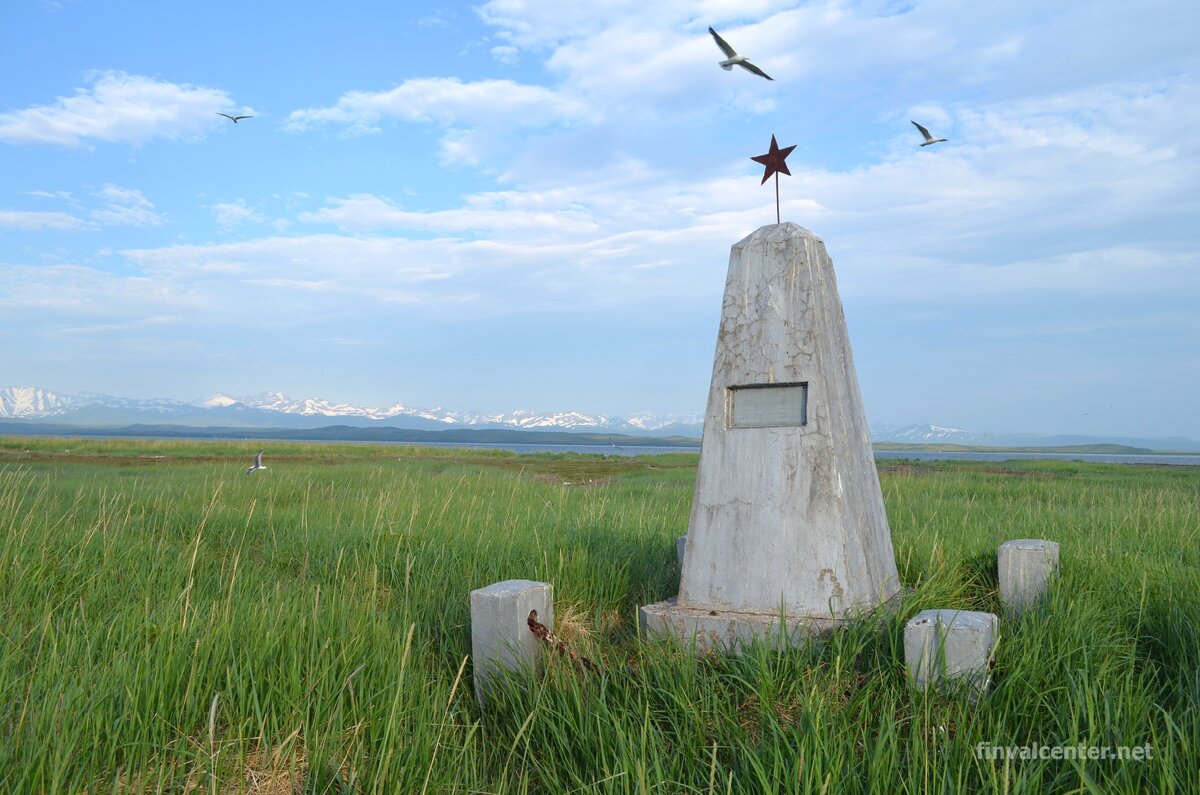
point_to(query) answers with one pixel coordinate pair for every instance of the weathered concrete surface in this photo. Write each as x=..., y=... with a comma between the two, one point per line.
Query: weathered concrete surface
x=680, y=549
x=500, y=636
x=942, y=645
x=1025, y=567
x=787, y=514
x=712, y=630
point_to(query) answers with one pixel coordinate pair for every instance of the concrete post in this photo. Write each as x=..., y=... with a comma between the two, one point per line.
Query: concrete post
x=944, y=645
x=500, y=636
x=1025, y=567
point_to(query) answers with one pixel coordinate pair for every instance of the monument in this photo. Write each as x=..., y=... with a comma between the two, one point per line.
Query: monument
x=787, y=526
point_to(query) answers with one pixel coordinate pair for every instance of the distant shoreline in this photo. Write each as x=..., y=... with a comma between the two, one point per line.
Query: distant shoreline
x=347, y=433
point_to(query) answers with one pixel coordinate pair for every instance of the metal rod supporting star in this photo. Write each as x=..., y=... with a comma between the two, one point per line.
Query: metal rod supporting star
x=774, y=160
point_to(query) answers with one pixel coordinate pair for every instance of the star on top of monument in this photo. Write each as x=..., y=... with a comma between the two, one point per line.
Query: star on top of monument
x=774, y=160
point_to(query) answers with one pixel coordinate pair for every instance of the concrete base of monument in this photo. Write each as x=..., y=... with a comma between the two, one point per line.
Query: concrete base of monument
x=717, y=630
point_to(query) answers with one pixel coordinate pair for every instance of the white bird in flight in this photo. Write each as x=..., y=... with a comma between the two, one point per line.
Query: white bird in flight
x=258, y=464
x=929, y=139
x=732, y=59
x=233, y=119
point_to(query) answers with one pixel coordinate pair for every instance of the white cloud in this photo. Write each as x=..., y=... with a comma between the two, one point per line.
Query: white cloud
x=541, y=24
x=281, y=279
x=506, y=54
x=1040, y=194
x=56, y=194
x=650, y=58
x=446, y=101
x=302, y=260
x=1034, y=194
x=117, y=108
x=118, y=207
x=137, y=325
x=431, y=21
x=503, y=215
x=480, y=120
x=32, y=221
x=626, y=77
x=345, y=341
x=230, y=215
x=125, y=207
x=75, y=292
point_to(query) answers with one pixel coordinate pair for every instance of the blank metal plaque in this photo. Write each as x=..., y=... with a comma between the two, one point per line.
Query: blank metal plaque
x=768, y=405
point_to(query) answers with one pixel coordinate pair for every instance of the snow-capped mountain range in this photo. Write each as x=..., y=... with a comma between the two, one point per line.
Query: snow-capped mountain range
x=276, y=410
x=938, y=434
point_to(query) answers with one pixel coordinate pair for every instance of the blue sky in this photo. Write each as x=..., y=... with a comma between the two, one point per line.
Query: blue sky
x=526, y=204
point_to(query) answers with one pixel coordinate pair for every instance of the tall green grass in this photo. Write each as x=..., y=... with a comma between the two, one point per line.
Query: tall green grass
x=173, y=625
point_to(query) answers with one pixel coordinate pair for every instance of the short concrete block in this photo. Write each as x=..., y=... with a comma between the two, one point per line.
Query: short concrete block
x=680, y=549
x=1025, y=567
x=944, y=645
x=500, y=636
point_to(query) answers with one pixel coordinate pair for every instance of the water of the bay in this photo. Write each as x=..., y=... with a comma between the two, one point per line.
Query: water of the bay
x=1100, y=458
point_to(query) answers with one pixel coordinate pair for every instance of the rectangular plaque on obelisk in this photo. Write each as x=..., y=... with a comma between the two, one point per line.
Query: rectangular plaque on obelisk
x=787, y=520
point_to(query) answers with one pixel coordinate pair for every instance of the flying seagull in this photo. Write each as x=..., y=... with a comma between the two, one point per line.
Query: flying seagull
x=233, y=119
x=258, y=464
x=929, y=139
x=733, y=59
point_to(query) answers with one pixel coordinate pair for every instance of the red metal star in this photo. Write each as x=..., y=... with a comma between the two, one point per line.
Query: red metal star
x=774, y=160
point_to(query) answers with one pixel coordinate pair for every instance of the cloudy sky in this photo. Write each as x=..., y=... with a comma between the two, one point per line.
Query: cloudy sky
x=529, y=204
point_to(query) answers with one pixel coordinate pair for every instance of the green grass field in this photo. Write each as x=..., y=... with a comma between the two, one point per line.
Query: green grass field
x=173, y=625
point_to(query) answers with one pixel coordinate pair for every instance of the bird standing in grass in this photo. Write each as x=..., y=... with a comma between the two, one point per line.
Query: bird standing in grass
x=732, y=59
x=929, y=139
x=258, y=464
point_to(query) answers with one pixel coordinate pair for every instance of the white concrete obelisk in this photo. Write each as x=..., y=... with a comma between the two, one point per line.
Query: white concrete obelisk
x=788, y=516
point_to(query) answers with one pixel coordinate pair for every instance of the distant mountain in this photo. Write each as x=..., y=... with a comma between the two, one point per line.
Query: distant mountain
x=29, y=401
x=277, y=410
x=937, y=434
